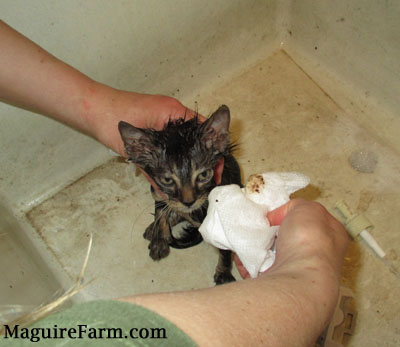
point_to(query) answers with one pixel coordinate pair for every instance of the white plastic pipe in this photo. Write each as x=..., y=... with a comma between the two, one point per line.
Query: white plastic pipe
x=370, y=241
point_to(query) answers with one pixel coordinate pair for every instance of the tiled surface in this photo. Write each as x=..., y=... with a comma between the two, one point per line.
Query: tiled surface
x=115, y=206
x=283, y=121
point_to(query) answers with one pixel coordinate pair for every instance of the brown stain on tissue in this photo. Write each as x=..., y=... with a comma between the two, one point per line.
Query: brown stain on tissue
x=255, y=183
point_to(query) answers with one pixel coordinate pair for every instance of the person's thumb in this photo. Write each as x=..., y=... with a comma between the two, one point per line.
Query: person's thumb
x=276, y=216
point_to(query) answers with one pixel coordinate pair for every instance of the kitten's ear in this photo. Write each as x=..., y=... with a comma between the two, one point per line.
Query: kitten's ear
x=137, y=142
x=216, y=129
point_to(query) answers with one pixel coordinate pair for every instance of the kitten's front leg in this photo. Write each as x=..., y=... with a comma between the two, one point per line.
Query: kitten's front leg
x=159, y=234
x=223, y=271
x=148, y=234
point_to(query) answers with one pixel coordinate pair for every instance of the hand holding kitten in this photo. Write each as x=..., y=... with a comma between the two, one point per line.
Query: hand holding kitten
x=108, y=106
x=33, y=79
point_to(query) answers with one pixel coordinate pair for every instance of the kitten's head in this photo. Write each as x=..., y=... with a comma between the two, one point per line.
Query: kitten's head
x=182, y=157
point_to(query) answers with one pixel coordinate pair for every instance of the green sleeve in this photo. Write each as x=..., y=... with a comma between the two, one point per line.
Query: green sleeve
x=99, y=323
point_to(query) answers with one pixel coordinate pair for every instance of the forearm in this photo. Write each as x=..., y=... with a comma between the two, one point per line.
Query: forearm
x=280, y=309
x=288, y=305
x=33, y=79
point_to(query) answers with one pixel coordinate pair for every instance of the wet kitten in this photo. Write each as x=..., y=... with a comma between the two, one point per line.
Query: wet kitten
x=181, y=160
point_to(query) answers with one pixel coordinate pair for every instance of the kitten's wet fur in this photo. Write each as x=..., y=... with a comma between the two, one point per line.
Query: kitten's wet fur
x=181, y=161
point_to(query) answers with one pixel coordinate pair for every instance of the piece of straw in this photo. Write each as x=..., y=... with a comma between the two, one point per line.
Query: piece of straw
x=45, y=310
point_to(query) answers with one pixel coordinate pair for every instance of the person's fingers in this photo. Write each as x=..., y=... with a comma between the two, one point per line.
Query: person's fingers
x=218, y=169
x=179, y=111
x=201, y=118
x=241, y=269
x=275, y=217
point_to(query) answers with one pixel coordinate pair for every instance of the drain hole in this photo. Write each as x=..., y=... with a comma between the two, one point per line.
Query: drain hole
x=363, y=160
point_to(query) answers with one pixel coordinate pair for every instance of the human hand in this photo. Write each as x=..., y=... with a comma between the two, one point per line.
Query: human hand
x=309, y=234
x=107, y=106
x=44, y=84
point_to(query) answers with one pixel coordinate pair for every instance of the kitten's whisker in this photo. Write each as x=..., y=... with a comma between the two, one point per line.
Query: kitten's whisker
x=159, y=203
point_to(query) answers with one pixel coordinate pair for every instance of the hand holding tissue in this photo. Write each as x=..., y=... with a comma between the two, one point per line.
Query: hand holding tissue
x=237, y=217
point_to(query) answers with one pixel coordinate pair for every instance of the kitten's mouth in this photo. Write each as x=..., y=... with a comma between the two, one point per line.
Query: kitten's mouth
x=188, y=209
x=180, y=207
x=185, y=209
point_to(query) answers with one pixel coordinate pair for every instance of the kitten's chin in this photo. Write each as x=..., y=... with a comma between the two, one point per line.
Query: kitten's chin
x=189, y=209
x=185, y=209
x=178, y=206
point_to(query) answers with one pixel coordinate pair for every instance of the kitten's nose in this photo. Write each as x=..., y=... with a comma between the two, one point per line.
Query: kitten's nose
x=188, y=196
x=188, y=203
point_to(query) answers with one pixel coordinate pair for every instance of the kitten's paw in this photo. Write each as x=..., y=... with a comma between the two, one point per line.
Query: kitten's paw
x=190, y=237
x=223, y=277
x=159, y=249
x=148, y=234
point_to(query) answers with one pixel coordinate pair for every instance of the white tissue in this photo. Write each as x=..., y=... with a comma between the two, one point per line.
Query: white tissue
x=236, y=217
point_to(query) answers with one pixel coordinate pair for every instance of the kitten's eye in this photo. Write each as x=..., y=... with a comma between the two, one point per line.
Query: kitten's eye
x=167, y=181
x=205, y=176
